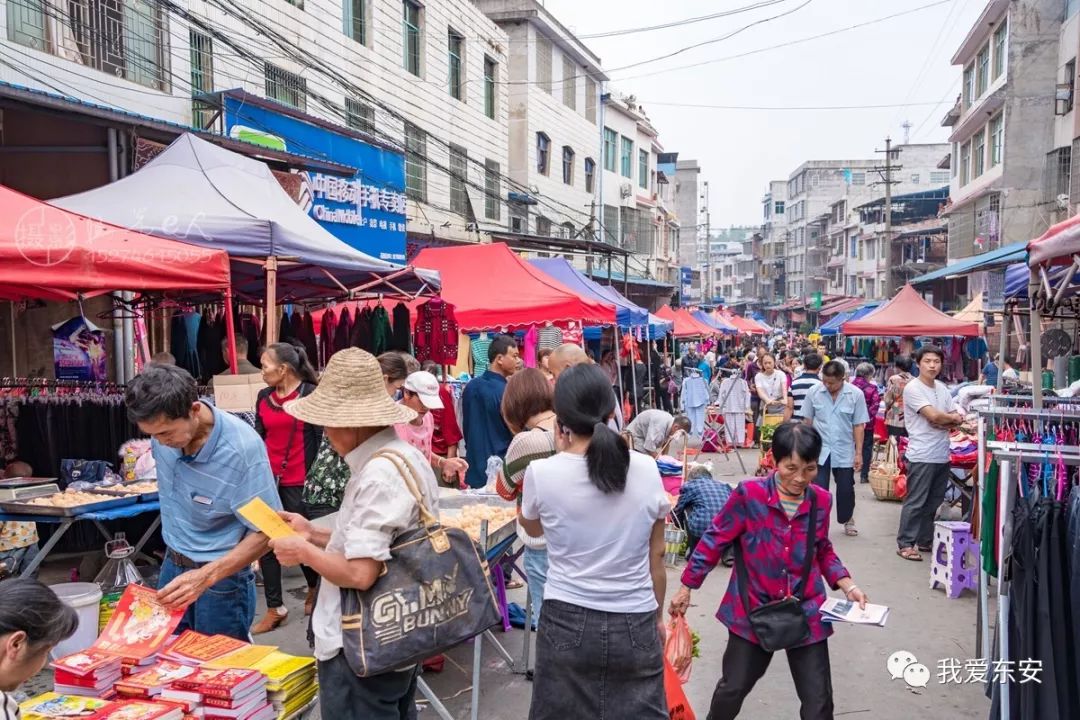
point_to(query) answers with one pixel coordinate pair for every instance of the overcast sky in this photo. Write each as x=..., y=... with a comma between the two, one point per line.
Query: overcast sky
x=741, y=150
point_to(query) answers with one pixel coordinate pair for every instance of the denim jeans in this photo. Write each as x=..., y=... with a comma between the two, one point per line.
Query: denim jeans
x=598, y=665
x=536, y=569
x=226, y=608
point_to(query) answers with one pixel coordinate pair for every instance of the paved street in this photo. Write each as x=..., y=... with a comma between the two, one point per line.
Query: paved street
x=922, y=621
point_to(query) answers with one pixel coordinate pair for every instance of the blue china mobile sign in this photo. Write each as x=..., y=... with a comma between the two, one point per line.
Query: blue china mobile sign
x=366, y=211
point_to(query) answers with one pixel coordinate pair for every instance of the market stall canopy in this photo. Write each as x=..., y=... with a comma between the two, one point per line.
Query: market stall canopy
x=658, y=327
x=201, y=194
x=715, y=321
x=839, y=306
x=744, y=325
x=973, y=312
x=1057, y=245
x=627, y=314
x=491, y=287
x=1000, y=257
x=54, y=254
x=836, y=323
x=907, y=314
x=684, y=324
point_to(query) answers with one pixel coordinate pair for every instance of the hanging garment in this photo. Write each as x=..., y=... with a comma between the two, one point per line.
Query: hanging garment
x=480, y=345
x=436, y=336
x=695, y=396
x=308, y=338
x=285, y=328
x=380, y=331
x=361, y=331
x=184, y=341
x=1073, y=551
x=401, y=328
x=988, y=539
x=296, y=323
x=327, y=330
x=344, y=328
x=551, y=337
x=572, y=334
x=528, y=352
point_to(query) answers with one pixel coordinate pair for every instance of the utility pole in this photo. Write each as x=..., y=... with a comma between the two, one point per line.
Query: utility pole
x=887, y=179
x=707, y=286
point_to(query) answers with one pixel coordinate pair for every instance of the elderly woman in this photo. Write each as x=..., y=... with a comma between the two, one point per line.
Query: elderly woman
x=864, y=374
x=894, y=397
x=32, y=622
x=779, y=528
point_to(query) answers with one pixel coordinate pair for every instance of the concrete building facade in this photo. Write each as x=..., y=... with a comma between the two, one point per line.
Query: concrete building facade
x=772, y=271
x=688, y=185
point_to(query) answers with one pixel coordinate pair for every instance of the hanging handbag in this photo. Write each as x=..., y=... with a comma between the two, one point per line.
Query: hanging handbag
x=433, y=593
x=88, y=471
x=780, y=624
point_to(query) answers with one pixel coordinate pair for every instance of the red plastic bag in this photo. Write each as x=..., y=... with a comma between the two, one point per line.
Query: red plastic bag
x=679, y=648
x=900, y=485
x=678, y=706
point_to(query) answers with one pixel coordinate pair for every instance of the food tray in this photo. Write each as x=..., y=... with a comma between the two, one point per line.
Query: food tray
x=119, y=491
x=17, y=508
x=21, y=482
x=451, y=503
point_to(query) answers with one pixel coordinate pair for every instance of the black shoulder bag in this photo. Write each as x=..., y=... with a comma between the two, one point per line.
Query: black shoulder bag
x=780, y=624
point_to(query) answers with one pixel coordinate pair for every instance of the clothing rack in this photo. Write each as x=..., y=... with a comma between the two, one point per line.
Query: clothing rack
x=1008, y=454
x=32, y=383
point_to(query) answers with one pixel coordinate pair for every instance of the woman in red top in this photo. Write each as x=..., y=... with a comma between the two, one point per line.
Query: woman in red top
x=291, y=446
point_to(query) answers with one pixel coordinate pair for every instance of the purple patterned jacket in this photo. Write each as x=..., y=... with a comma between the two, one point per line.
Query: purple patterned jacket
x=774, y=548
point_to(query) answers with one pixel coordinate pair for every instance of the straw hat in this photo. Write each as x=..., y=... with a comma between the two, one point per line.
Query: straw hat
x=351, y=393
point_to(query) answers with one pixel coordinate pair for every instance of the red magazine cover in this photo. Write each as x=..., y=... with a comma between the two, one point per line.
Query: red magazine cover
x=230, y=683
x=194, y=648
x=140, y=710
x=150, y=682
x=196, y=680
x=140, y=626
x=87, y=663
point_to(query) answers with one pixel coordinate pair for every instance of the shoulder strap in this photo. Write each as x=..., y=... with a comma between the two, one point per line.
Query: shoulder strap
x=409, y=476
x=811, y=543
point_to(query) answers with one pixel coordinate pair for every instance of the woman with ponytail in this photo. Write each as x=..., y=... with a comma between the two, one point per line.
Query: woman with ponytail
x=601, y=509
x=291, y=446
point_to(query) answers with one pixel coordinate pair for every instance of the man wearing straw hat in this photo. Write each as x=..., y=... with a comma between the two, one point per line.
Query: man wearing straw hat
x=358, y=416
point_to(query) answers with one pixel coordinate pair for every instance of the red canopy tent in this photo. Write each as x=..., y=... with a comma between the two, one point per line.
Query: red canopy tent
x=746, y=326
x=907, y=314
x=1057, y=245
x=53, y=254
x=686, y=326
x=491, y=287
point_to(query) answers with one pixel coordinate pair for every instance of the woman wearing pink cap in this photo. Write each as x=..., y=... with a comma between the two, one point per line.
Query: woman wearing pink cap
x=421, y=393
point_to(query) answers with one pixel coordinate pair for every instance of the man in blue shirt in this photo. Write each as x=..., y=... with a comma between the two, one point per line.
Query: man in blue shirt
x=701, y=499
x=989, y=375
x=209, y=465
x=482, y=424
x=837, y=410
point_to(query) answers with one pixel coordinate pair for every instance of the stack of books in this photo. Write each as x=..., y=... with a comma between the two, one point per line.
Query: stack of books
x=142, y=710
x=149, y=683
x=194, y=648
x=138, y=629
x=236, y=694
x=62, y=705
x=291, y=683
x=88, y=673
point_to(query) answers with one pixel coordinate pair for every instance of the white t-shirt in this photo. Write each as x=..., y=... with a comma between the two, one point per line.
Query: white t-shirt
x=773, y=386
x=598, y=545
x=926, y=443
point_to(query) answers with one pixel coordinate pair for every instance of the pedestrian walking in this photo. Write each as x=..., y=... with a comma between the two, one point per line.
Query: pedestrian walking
x=837, y=410
x=929, y=414
x=601, y=508
x=486, y=434
x=864, y=374
x=894, y=397
x=779, y=529
x=359, y=417
x=291, y=447
x=806, y=381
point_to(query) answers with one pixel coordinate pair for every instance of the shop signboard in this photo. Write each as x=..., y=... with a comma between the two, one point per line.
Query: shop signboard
x=994, y=294
x=686, y=281
x=366, y=211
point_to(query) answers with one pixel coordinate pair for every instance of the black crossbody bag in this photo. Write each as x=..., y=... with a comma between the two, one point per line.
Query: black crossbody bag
x=780, y=624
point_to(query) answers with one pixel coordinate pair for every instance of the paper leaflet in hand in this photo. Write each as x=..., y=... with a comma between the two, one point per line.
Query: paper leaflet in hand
x=266, y=519
x=835, y=610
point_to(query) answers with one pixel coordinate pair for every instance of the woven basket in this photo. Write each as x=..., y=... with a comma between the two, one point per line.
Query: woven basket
x=883, y=474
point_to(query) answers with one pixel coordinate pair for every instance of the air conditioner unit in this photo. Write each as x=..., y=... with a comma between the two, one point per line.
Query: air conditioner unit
x=625, y=189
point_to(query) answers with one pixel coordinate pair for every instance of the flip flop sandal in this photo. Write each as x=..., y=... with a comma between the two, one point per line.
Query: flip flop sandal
x=849, y=530
x=910, y=554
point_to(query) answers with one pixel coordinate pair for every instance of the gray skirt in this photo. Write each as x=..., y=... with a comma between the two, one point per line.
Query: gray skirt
x=597, y=665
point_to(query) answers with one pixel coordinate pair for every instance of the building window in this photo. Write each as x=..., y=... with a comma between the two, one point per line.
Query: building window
x=359, y=115
x=568, y=165
x=491, y=73
x=543, y=153
x=978, y=153
x=626, y=158
x=1070, y=80
x=125, y=38
x=356, y=20
x=1000, y=47
x=1060, y=169
x=610, y=142
x=939, y=177
x=455, y=49
x=915, y=177
x=643, y=169
x=543, y=63
x=965, y=163
x=778, y=207
x=415, y=163
x=492, y=191
x=411, y=30
x=590, y=100
x=285, y=87
x=969, y=85
x=590, y=174
x=568, y=231
x=997, y=139
x=459, y=176
x=982, y=71
x=569, y=87
x=543, y=227
x=858, y=178
x=202, y=77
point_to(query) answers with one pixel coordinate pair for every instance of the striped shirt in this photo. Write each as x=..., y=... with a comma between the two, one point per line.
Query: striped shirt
x=791, y=506
x=799, y=388
x=535, y=444
x=201, y=494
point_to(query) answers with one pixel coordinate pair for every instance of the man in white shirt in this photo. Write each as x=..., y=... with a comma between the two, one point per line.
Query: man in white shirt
x=351, y=403
x=652, y=430
x=929, y=415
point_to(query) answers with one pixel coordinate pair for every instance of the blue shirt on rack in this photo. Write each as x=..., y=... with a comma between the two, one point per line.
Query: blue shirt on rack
x=482, y=425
